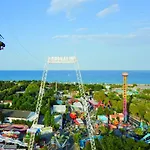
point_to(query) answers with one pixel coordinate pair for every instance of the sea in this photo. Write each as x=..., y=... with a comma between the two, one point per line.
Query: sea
x=88, y=76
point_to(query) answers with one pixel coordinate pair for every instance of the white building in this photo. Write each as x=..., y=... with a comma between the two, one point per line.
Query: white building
x=58, y=119
x=77, y=106
x=59, y=108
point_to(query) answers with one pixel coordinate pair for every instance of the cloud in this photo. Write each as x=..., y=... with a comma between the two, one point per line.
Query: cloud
x=144, y=29
x=141, y=23
x=140, y=36
x=66, y=6
x=60, y=36
x=72, y=19
x=143, y=32
x=112, y=9
x=69, y=17
x=81, y=29
x=96, y=36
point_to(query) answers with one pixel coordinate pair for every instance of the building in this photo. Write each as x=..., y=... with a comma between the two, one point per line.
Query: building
x=58, y=120
x=59, y=109
x=8, y=147
x=120, y=116
x=11, y=115
x=77, y=106
x=103, y=118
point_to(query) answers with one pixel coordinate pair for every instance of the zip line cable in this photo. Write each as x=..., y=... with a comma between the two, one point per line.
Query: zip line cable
x=17, y=52
x=23, y=47
x=1, y=36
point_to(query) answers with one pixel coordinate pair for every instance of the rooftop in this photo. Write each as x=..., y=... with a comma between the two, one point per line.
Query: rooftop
x=59, y=108
x=16, y=113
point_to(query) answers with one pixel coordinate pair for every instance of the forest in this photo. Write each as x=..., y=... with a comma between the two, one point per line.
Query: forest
x=111, y=142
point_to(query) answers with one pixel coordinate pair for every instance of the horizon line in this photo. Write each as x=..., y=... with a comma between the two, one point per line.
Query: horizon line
x=80, y=70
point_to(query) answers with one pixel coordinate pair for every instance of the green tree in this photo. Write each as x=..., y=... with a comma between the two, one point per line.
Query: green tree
x=113, y=96
x=77, y=137
x=37, y=137
x=133, y=109
x=147, y=116
x=134, y=85
x=141, y=108
x=103, y=130
x=56, y=126
x=53, y=121
x=138, y=131
x=99, y=95
x=47, y=118
x=119, y=106
x=100, y=111
x=111, y=142
x=32, y=89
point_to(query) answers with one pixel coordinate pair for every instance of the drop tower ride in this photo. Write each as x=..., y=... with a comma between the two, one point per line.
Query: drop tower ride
x=125, y=75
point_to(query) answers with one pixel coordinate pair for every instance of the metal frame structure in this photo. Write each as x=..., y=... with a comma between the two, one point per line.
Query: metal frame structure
x=38, y=106
x=85, y=107
x=63, y=60
x=125, y=75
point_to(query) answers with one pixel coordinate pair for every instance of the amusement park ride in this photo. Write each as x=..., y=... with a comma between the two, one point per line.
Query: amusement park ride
x=125, y=75
x=2, y=45
x=63, y=60
x=73, y=60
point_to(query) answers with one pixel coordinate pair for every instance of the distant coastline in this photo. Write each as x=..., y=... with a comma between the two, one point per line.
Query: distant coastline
x=88, y=76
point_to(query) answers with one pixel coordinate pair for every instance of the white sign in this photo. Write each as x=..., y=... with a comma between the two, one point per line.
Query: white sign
x=61, y=60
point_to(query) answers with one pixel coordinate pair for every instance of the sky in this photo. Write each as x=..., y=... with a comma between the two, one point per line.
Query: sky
x=103, y=34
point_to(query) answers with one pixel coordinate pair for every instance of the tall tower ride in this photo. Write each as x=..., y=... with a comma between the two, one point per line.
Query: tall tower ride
x=125, y=75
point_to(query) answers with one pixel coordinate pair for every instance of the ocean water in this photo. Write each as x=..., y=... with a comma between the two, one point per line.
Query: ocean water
x=91, y=76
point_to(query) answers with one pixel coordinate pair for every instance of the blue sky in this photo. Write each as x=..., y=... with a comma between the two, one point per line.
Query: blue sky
x=104, y=34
